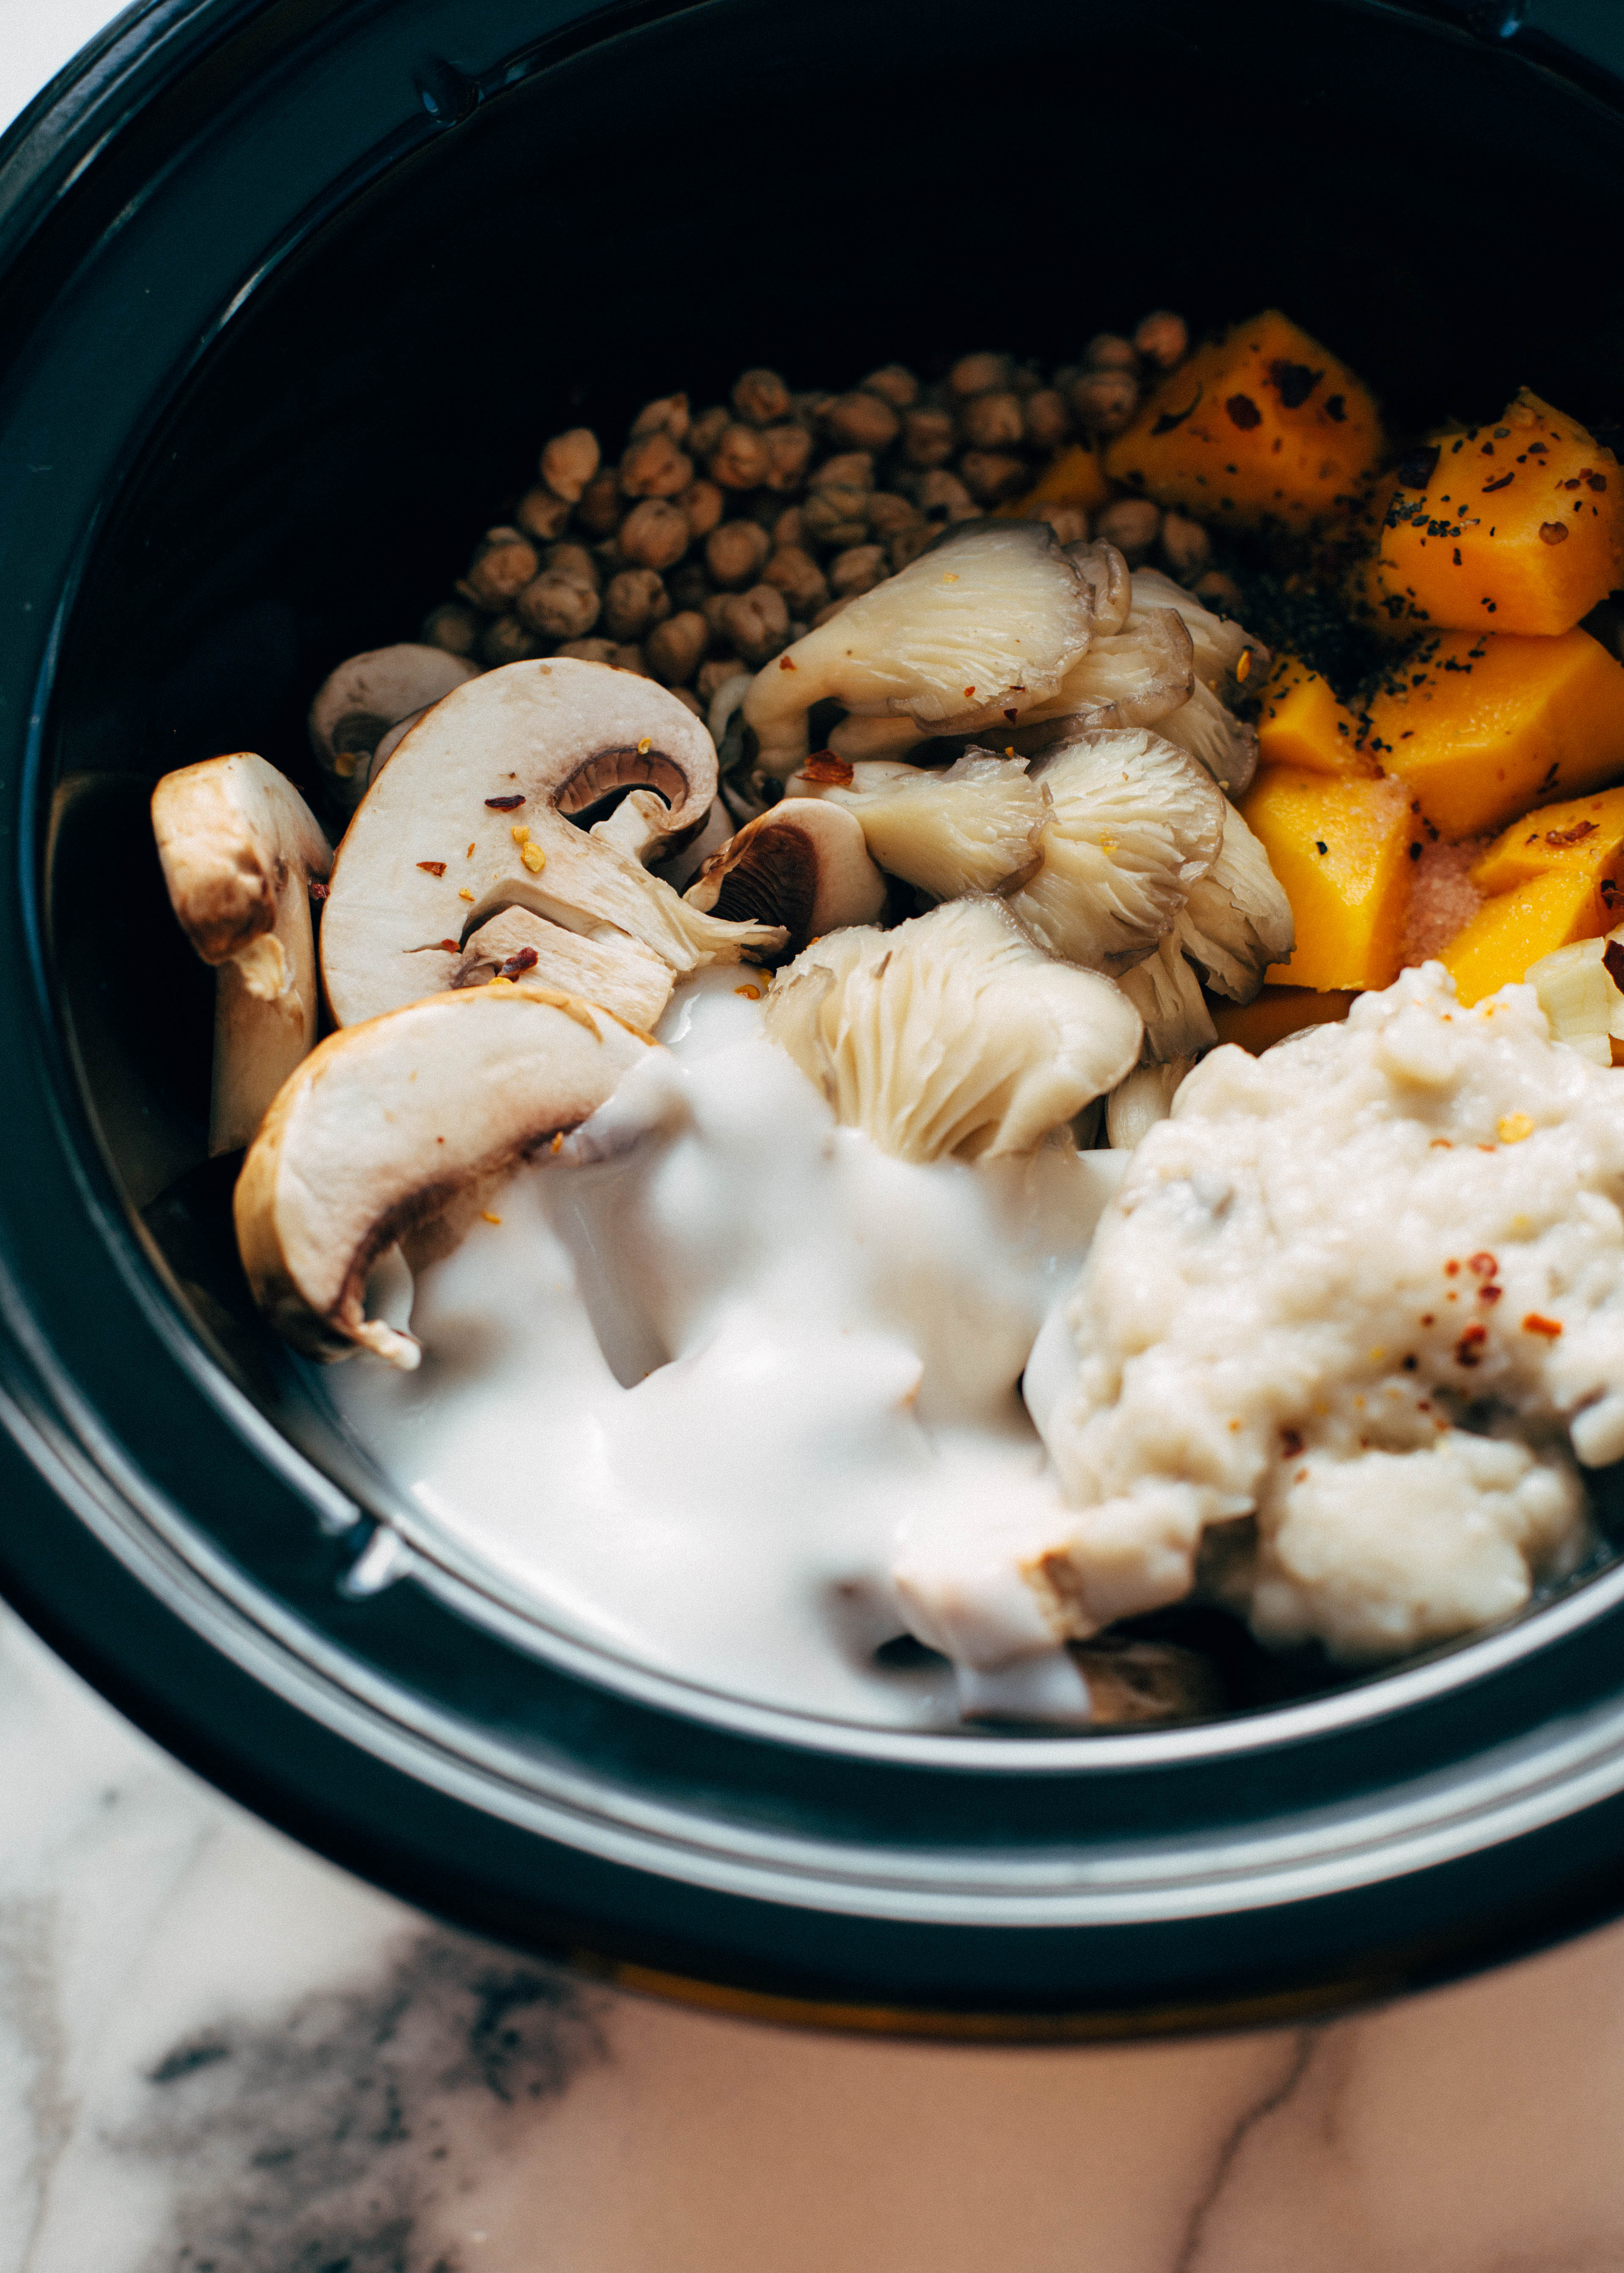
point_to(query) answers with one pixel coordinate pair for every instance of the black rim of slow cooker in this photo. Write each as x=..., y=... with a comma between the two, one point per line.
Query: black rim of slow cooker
x=1339, y=1849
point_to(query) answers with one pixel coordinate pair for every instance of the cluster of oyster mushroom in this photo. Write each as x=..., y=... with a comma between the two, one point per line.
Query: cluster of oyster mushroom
x=714, y=540
x=997, y=887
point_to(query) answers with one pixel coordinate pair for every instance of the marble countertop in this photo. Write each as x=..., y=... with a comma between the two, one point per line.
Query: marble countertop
x=219, y=2055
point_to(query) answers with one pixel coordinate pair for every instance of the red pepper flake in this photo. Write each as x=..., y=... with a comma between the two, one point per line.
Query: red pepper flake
x=1426, y=1318
x=1290, y=1444
x=1452, y=1269
x=505, y=804
x=1012, y=715
x=434, y=947
x=788, y=662
x=1580, y=830
x=522, y=958
x=1490, y=1293
x=824, y=766
x=1244, y=412
x=318, y=891
x=1482, y=1265
x=1467, y=1350
x=971, y=690
x=1535, y=1324
x=432, y=868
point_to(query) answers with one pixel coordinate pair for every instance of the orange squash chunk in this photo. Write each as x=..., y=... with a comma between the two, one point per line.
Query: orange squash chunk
x=1339, y=847
x=1075, y=477
x=1276, y=1012
x=1481, y=728
x=1302, y=723
x=1513, y=528
x=1263, y=429
x=1552, y=877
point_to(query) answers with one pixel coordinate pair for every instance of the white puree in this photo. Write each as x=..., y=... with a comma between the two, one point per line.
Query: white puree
x=690, y=1397
x=1362, y=1300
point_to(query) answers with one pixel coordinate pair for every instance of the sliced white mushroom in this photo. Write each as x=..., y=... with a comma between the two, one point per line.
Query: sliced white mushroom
x=1167, y=995
x=973, y=827
x=471, y=815
x=387, y=1125
x=620, y=973
x=240, y=849
x=986, y=623
x=1134, y=824
x=803, y=864
x=1144, y=1098
x=1218, y=641
x=1224, y=744
x=1237, y=920
x=356, y=705
x=952, y=1036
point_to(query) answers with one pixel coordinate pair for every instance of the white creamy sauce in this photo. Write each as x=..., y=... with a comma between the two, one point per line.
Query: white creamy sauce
x=720, y=1358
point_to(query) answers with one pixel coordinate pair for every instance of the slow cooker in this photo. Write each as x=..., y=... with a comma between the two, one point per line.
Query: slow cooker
x=289, y=289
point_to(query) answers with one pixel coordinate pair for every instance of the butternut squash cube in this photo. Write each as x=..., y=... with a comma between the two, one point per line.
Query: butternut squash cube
x=1302, y=723
x=1073, y=476
x=1552, y=877
x=1263, y=429
x=1481, y=728
x=1513, y=528
x=1339, y=847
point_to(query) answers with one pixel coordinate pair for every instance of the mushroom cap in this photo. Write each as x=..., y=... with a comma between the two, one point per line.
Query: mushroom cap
x=1106, y=573
x=357, y=703
x=801, y=864
x=1237, y=920
x=520, y=748
x=952, y=1035
x=973, y=827
x=988, y=621
x=386, y=1125
x=1134, y=824
x=1131, y=677
x=1224, y=743
x=618, y=973
x=1218, y=641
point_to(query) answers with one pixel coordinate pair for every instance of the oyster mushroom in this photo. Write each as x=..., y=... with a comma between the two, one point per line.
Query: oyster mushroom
x=472, y=816
x=618, y=973
x=974, y=827
x=240, y=848
x=952, y=1036
x=1138, y=1103
x=1237, y=920
x=1218, y=641
x=1134, y=824
x=356, y=705
x=388, y=1125
x=1105, y=572
x=1224, y=745
x=803, y=864
x=1135, y=677
x=986, y=624
x=1167, y=995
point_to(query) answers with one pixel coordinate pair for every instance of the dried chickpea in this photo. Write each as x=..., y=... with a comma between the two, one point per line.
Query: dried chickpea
x=894, y=384
x=908, y=543
x=858, y=569
x=761, y=398
x=943, y=497
x=1110, y=351
x=688, y=585
x=798, y=577
x=788, y=454
x=1046, y=420
x=837, y=515
x=736, y=553
x=714, y=675
x=757, y=622
x=707, y=430
x=600, y=506
x=791, y=527
x=1104, y=402
x=569, y=461
x=740, y=461
x=676, y=648
x=1186, y=546
x=888, y=513
x=558, y=607
x=711, y=608
x=1219, y=592
x=1069, y=522
x=1162, y=338
x=572, y=560
x=453, y=627
x=928, y=436
x=653, y=466
x=850, y=470
x=1131, y=524
x=668, y=413
x=990, y=476
x=589, y=650
x=979, y=374
x=862, y=421
x=508, y=641
x=702, y=506
x=634, y=601
x=502, y=564
x=654, y=534
x=541, y=515
x=992, y=421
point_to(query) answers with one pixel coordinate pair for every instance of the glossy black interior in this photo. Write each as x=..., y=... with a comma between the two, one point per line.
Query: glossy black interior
x=562, y=222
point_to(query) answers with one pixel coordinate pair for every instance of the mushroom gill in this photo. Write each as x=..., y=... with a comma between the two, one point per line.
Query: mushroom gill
x=802, y=865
